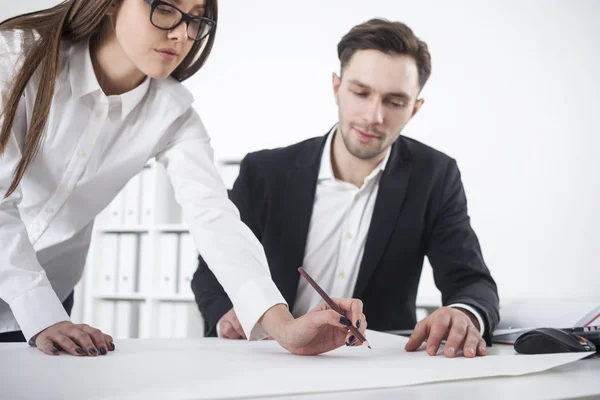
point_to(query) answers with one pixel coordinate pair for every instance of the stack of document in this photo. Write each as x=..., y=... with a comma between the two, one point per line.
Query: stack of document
x=517, y=318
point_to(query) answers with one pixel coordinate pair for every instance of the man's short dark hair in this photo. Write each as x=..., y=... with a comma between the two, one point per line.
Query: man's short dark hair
x=390, y=38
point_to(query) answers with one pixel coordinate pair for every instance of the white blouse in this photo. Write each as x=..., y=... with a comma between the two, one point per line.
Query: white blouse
x=94, y=144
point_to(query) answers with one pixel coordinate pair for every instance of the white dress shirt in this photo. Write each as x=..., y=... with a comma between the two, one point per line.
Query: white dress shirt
x=337, y=235
x=93, y=145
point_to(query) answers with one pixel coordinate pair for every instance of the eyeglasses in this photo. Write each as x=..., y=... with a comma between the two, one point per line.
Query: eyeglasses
x=167, y=17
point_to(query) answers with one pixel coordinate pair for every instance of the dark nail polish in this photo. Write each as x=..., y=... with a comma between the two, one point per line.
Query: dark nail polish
x=79, y=350
x=351, y=341
x=112, y=345
x=102, y=351
x=54, y=351
x=93, y=351
x=358, y=323
x=345, y=321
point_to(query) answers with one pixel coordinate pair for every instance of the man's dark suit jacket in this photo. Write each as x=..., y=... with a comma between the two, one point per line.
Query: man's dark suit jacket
x=420, y=210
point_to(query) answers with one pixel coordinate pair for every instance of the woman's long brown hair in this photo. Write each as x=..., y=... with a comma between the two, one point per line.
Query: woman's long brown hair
x=71, y=20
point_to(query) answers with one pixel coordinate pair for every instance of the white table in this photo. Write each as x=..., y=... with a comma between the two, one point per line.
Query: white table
x=578, y=380
x=184, y=369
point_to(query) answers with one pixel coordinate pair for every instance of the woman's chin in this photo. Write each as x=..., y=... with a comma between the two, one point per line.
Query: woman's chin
x=159, y=73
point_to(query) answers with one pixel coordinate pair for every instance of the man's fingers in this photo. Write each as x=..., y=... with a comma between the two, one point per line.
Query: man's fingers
x=238, y=327
x=437, y=333
x=471, y=342
x=456, y=337
x=418, y=336
x=228, y=331
x=482, y=348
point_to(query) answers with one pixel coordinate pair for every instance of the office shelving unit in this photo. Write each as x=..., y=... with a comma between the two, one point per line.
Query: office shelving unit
x=141, y=260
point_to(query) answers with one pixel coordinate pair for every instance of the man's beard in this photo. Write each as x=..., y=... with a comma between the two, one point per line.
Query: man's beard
x=363, y=152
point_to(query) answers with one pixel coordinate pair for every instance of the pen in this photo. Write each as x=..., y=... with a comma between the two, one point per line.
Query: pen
x=332, y=304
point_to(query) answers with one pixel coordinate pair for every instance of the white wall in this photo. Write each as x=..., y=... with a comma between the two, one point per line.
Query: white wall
x=514, y=97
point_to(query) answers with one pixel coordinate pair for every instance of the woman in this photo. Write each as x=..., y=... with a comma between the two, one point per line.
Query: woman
x=90, y=91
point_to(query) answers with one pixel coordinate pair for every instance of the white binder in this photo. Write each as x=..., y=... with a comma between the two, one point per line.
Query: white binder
x=126, y=282
x=116, y=211
x=107, y=277
x=188, y=263
x=145, y=265
x=168, y=246
x=180, y=320
x=126, y=319
x=147, y=196
x=132, y=201
x=165, y=320
x=104, y=316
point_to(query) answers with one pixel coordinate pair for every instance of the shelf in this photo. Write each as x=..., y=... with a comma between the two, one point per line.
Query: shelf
x=120, y=296
x=123, y=229
x=179, y=228
x=175, y=298
x=129, y=313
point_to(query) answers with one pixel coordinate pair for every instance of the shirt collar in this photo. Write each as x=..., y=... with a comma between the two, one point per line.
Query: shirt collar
x=83, y=80
x=326, y=168
x=81, y=71
x=132, y=98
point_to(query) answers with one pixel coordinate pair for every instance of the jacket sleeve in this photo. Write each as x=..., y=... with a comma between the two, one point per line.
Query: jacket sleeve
x=455, y=255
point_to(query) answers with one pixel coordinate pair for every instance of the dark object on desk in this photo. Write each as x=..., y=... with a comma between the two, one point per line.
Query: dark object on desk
x=591, y=333
x=550, y=340
x=400, y=332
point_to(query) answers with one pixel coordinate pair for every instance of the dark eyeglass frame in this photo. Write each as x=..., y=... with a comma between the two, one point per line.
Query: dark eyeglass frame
x=185, y=17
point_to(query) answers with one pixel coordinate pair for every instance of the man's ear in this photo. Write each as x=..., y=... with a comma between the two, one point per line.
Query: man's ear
x=417, y=107
x=336, y=81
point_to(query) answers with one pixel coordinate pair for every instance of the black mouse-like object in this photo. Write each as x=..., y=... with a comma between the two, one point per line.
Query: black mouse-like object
x=551, y=340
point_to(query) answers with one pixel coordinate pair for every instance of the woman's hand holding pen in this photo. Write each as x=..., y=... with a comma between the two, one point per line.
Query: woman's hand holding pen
x=75, y=339
x=318, y=331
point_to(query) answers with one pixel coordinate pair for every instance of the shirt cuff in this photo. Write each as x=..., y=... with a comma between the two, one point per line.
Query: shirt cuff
x=472, y=311
x=218, y=328
x=251, y=302
x=38, y=309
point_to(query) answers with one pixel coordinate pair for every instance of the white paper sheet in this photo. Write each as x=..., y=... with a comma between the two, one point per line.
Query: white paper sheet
x=219, y=368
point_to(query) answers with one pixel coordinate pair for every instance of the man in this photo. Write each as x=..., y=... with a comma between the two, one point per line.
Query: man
x=361, y=207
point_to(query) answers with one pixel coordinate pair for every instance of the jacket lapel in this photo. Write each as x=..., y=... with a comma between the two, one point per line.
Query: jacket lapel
x=390, y=197
x=297, y=205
